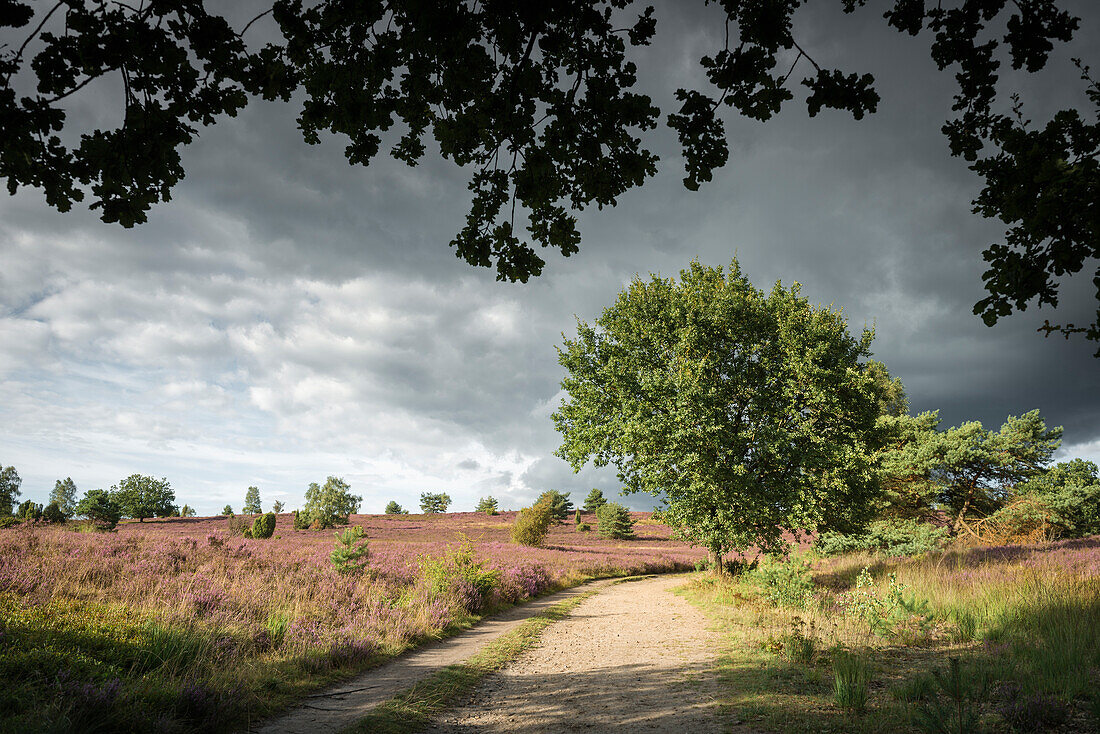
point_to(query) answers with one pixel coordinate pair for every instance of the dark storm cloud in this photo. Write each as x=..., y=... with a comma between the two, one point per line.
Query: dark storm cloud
x=288, y=315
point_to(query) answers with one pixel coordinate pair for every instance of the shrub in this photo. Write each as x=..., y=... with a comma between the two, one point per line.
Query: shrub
x=577, y=517
x=786, y=584
x=350, y=554
x=851, y=676
x=238, y=526
x=488, y=505
x=227, y=511
x=614, y=522
x=462, y=574
x=301, y=521
x=395, y=509
x=53, y=513
x=558, y=502
x=29, y=511
x=330, y=504
x=583, y=527
x=532, y=525
x=885, y=613
x=1072, y=490
x=888, y=537
x=100, y=508
x=264, y=526
x=594, y=501
x=958, y=714
x=8, y=521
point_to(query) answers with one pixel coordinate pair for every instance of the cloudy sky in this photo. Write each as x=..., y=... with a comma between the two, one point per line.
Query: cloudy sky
x=288, y=317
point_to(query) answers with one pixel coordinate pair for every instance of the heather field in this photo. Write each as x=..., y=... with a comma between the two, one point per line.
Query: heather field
x=179, y=625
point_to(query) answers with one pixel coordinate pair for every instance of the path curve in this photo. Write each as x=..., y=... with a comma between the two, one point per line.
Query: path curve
x=634, y=657
x=343, y=705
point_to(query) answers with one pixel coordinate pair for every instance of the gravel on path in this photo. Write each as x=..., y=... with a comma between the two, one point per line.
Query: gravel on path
x=633, y=658
x=336, y=708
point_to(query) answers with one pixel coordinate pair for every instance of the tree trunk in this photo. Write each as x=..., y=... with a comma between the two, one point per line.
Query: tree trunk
x=717, y=567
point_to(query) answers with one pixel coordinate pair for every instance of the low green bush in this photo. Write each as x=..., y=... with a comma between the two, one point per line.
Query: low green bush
x=350, y=553
x=532, y=525
x=888, y=537
x=264, y=526
x=783, y=583
x=53, y=514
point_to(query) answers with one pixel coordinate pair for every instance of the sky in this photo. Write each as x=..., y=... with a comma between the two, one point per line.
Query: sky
x=287, y=316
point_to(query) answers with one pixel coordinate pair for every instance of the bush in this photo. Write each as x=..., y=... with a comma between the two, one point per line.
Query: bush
x=577, y=517
x=29, y=511
x=532, y=525
x=888, y=537
x=8, y=521
x=227, y=511
x=1072, y=490
x=583, y=527
x=488, y=505
x=614, y=522
x=238, y=526
x=301, y=521
x=395, y=509
x=53, y=513
x=264, y=526
x=558, y=502
x=350, y=554
x=785, y=584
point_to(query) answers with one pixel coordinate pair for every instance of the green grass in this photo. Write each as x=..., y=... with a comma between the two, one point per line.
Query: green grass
x=416, y=708
x=1030, y=623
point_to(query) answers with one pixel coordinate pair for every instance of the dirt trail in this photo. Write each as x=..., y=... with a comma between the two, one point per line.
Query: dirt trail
x=632, y=658
x=334, y=709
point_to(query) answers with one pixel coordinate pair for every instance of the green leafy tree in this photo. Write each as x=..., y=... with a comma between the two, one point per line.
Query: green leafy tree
x=614, y=522
x=187, y=511
x=227, y=510
x=29, y=511
x=488, y=505
x=1072, y=490
x=53, y=514
x=395, y=509
x=252, y=502
x=277, y=507
x=64, y=494
x=330, y=504
x=141, y=496
x=751, y=413
x=594, y=501
x=9, y=489
x=559, y=504
x=538, y=102
x=100, y=508
x=978, y=467
x=431, y=504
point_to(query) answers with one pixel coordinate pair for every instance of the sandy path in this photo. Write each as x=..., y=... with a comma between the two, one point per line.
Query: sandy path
x=334, y=709
x=632, y=658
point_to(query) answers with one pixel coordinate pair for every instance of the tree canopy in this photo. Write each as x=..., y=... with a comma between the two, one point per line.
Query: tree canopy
x=536, y=101
x=434, y=503
x=331, y=503
x=143, y=496
x=751, y=414
x=9, y=488
x=252, y=502
x=64, y=494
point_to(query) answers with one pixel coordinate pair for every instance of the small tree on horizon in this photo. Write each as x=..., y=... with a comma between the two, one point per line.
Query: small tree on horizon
x=100, y=508
x=64, y=494
x=432, y=504
x=277, y=506
x=252, y=504
x=9, y=489
x=558, y=502
x=395, y=509
x=330, y=504
x=187, y=511
x=141, y=496
x=594, y=501
x=488, y=505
